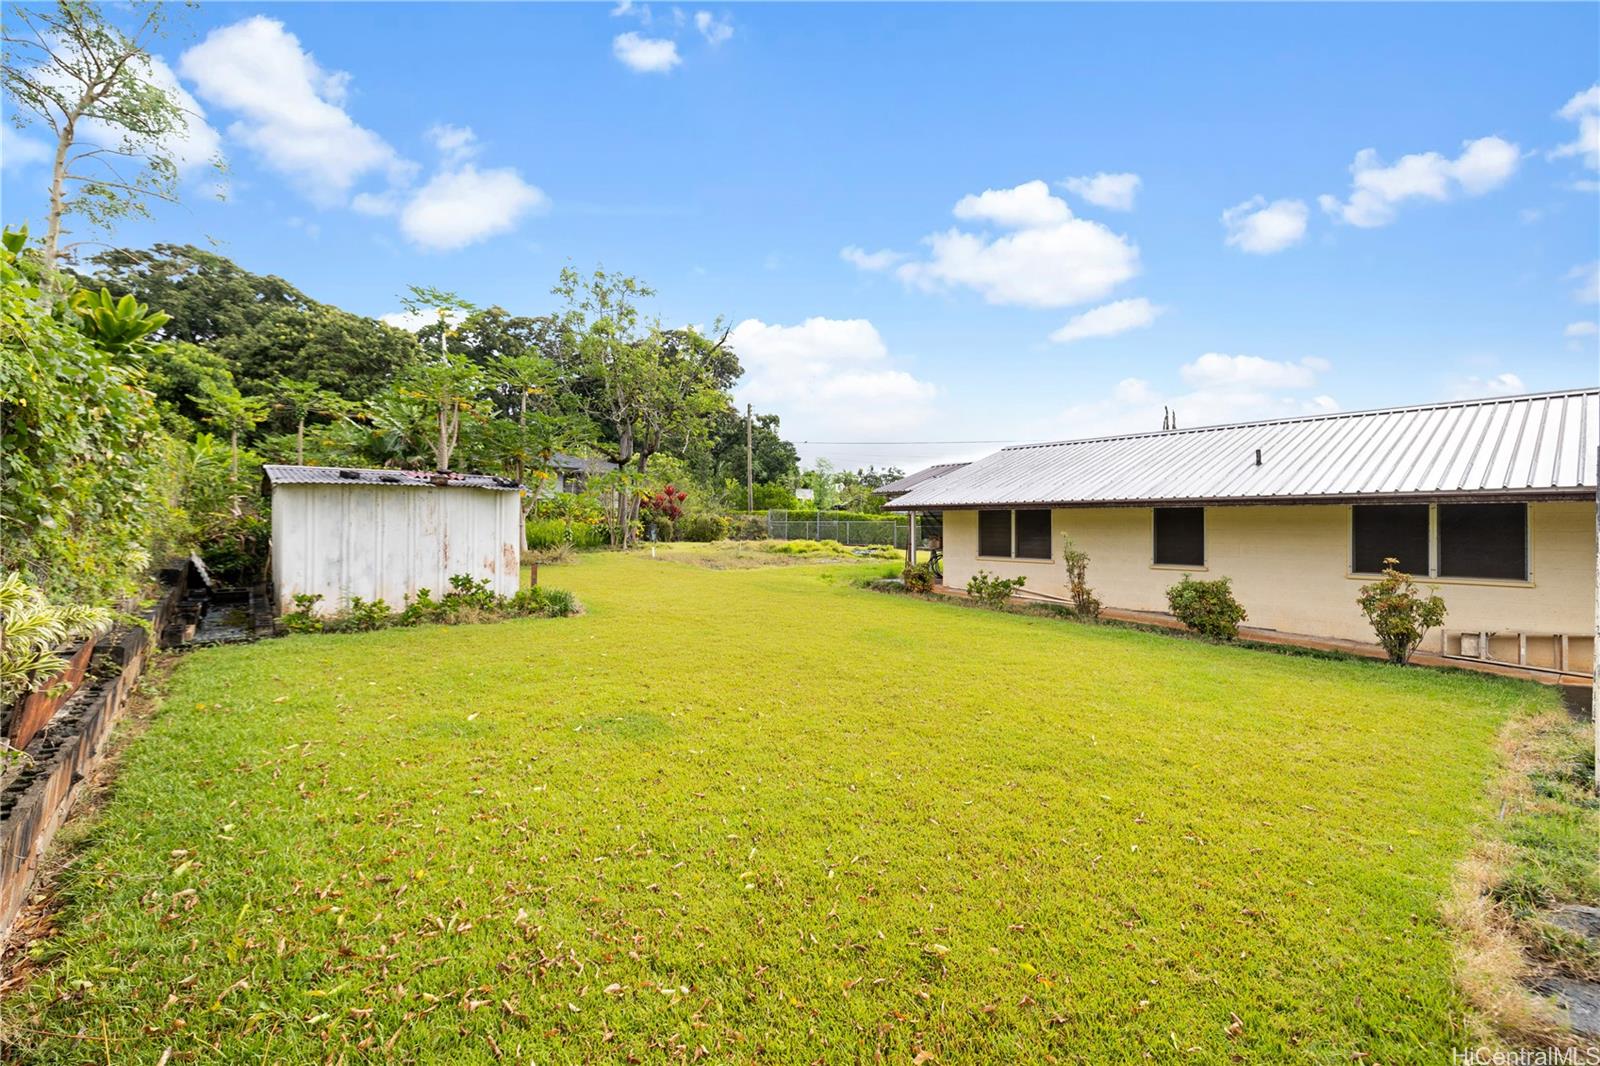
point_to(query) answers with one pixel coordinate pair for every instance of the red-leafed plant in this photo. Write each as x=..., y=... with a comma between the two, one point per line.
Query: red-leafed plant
x=667, y=503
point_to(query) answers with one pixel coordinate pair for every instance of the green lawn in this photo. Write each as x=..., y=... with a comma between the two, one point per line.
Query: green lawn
x=769, y=814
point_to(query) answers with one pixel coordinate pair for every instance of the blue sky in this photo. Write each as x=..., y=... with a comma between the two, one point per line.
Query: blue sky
x=1302, y=207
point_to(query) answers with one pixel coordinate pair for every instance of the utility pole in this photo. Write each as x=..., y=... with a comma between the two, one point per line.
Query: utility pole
x=749, y=462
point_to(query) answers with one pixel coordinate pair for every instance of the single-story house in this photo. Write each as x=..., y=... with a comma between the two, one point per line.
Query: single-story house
x=384, y=534
x=926, y=526
x=572, y=472
x=1492, y=501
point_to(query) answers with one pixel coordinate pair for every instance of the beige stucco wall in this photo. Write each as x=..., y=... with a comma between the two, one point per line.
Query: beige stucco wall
x=1290, y=568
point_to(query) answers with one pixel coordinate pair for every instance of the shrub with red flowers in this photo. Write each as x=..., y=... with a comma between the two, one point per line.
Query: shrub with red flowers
x=662, y=510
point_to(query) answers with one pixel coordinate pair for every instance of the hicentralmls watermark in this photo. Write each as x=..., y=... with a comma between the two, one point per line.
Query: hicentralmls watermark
x=1544, y=1056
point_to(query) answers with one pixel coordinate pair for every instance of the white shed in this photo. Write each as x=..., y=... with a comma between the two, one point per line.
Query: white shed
x=384, y=534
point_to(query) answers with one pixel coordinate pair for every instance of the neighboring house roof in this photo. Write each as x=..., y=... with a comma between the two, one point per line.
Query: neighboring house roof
x=573, y=464
x=338, y=475
x=911, y=481
x=1540, y=446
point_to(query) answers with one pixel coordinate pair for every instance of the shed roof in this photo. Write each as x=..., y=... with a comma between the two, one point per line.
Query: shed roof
x=277, y=474
x=911, y=481
x=577, y=464
x=1537, y=446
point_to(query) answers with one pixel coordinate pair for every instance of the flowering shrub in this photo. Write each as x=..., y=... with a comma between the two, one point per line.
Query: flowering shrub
x=663, y=510
x=993, y=591
x=1400, y=615
x=1207, y=607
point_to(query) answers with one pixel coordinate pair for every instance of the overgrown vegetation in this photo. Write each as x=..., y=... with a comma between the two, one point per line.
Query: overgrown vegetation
x=1533, y=858
x=32, y=633
x=992, y=591
x=1400, y=614
x=919, y=578
x=1085, y=605
x=1207, y=607
x=469, y=600
x=559, y=841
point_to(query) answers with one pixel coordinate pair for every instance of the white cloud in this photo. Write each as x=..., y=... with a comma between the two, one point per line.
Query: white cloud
x=461, y=207
x=1377, y=190
x=1108, y=320
x=1588, y=278
x=1052, y=260
x=1476, y=388
x=1581, y=329
x=645, y=55
x=290, y=109
x=828, y=375
x=1112, y=191
x=455, y=144
x=1220, y=389
x=1260, y=228
x=1213, y=370
x=716, y=31
x=411, y=321
x=865, y=260
x=1029, y=204
x=1584, y=109
x=19, y=151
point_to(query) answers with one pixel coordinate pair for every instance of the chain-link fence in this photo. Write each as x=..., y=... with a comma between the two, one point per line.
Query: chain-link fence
x=888, y=531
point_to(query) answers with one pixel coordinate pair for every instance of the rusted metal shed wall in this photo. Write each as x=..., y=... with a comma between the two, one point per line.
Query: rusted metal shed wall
x=387, y=541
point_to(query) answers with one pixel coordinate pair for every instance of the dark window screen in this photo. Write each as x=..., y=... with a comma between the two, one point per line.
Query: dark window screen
x=1398, y=531
x=1483, y=540
x=1180, y=536
x=1033, y=534
x=994, y=533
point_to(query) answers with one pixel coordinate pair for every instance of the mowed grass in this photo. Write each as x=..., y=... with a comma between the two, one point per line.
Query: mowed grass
x=764, y=815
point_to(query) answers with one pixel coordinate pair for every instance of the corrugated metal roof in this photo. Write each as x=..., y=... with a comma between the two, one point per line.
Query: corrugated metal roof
x=1516, y=446
x=342, y=475
x=575, y=464
x=911, y=481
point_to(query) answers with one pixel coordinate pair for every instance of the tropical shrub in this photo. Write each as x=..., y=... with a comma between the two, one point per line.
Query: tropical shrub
x=919, y=578
x=1084, y=602
x=747, y=527
x=32, y=632
x=1207, y=607
x=469, y=600
x=992, y=591
x=80, y=442
x=547, y=533
x=1400, y=614
x=702, y=527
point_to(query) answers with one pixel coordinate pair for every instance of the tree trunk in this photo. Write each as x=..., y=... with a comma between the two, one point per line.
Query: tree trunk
x=58, y=194
x=300, y=442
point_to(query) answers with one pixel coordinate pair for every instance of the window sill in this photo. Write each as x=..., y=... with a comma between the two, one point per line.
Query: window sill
x=1485, y=582
x=1011, y=559
x=1180, y=569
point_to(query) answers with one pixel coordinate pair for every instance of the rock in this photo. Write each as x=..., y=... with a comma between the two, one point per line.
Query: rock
x=1579, y=999
x=1575, y=918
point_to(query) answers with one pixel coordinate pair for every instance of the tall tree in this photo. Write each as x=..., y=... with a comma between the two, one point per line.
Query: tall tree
x=264, y=327
x=448, y=387
x=301, y=399
x=232, y=412
x=94, y=86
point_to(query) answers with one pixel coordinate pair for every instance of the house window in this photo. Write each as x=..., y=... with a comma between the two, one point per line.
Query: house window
x=1180, y=534
x=1483, y=540
x=1033, y=535
x=1014, y=534
x=994, y=533
x=1389, y=531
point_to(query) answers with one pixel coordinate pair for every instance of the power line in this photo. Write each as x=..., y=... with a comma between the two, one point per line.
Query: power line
x=876, y=443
